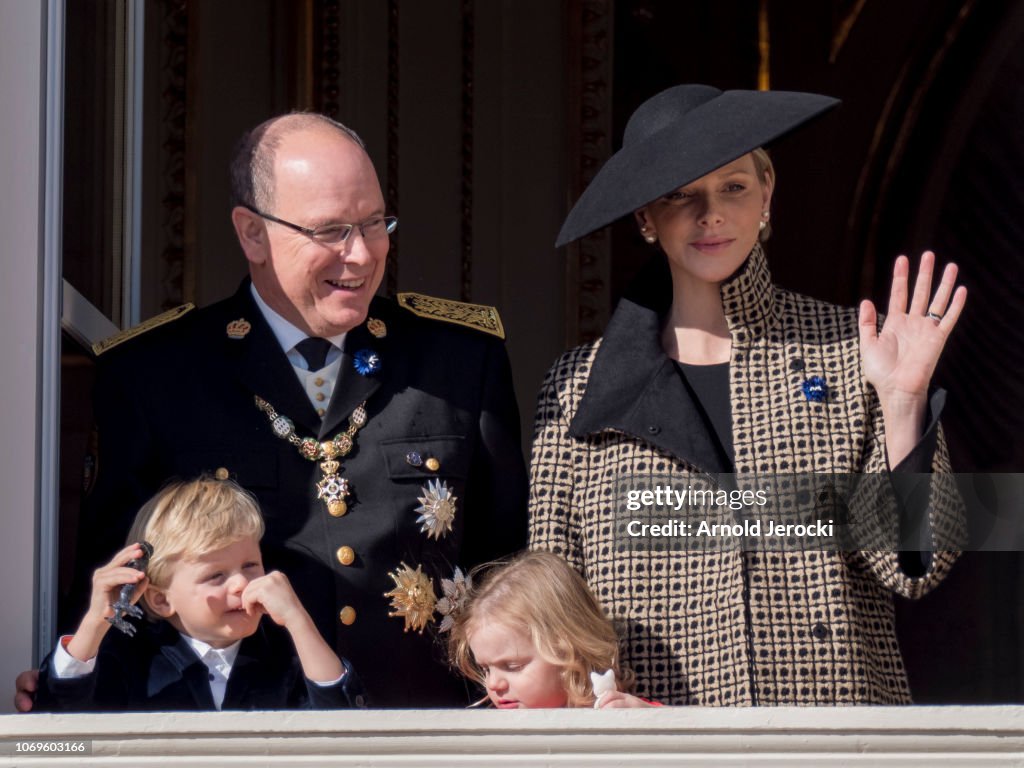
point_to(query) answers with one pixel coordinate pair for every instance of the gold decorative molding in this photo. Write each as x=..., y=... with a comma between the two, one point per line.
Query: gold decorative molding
x=842, y=30
x=466, y=209
x=174, y=114
x=764, y=72
x=588, y=260
x=328, y=66
x=895, y=148
x=391, y=182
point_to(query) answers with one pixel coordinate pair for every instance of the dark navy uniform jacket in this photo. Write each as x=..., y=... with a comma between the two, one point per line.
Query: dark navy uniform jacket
x=179, y=400
x=157, y=671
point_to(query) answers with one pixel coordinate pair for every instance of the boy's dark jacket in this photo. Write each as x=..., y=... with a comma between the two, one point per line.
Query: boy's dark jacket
x=157, y=670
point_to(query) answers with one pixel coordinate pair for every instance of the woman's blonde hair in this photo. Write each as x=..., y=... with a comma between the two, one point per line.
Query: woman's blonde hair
x=764, y=168
x=541, y=593
x=190, y=519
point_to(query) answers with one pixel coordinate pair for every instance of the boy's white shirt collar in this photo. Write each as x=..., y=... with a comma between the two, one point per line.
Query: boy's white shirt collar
x=218, y=662
x=288, y=335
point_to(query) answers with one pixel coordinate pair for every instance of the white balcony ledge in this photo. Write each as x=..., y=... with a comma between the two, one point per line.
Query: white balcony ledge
x=790, y=736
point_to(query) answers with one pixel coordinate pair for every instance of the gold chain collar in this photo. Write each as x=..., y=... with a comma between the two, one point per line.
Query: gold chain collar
x=332, y=488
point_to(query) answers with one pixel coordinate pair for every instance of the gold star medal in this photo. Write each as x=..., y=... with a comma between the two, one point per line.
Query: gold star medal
x=413, y=597
x=437, y=509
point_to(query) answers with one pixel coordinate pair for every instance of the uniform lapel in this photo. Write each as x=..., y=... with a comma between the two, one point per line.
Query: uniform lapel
x=263, y=368
x=352, y=387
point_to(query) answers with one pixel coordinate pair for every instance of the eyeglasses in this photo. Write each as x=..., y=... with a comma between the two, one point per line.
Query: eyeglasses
x=333, y=234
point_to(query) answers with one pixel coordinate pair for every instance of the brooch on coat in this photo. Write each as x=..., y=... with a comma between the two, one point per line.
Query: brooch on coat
x=366, y=362
x=456, y=590
x=815, y=389
x=413, y=597
x=437, y=509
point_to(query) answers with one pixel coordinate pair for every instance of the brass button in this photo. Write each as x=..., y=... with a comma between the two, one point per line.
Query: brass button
x=221, y=473
x=320, y=397
x=318, y=381
x=337, y=508
x=433, y=464
x=346, y=555
x=319, y=411
x=347, y=616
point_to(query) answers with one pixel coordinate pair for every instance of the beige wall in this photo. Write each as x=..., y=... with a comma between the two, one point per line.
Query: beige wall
x=21, y=294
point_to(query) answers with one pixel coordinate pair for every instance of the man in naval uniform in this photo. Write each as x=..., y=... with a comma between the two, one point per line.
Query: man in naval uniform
x=380, y=438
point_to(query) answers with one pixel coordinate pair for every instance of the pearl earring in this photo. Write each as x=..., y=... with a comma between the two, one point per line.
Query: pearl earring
x=650, y=238
x=765, y=215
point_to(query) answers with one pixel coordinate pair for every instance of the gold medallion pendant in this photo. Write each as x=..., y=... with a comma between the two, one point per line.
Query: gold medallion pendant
x=332, y=490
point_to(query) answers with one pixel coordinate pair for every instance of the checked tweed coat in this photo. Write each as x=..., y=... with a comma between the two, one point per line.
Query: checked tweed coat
x=730, y=627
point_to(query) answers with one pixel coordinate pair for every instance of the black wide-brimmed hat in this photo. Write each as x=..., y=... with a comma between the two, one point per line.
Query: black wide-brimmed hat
x=678, y=136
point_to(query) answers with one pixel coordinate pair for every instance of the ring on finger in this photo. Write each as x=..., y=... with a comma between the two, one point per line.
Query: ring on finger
x=934, y=316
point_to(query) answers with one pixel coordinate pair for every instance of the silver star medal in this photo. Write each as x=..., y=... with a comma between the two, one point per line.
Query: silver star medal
x=455, y=589
x=437, y=509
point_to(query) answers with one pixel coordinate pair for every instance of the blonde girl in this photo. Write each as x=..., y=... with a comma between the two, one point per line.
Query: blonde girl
x=531, y=633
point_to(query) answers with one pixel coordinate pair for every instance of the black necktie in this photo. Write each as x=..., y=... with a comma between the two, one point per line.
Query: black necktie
x=314, y=350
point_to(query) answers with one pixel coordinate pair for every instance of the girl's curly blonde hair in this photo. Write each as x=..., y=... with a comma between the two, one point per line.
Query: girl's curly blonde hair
x=541, y=593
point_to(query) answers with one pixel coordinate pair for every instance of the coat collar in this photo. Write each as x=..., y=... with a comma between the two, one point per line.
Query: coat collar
x=263, y=367
x=175, y=660
x=352, y=387
x=634, y=387
x=170, y=666
x=749, y=300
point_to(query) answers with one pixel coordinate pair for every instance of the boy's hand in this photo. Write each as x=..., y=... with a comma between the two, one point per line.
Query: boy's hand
x=106, y=589
x=273, y=595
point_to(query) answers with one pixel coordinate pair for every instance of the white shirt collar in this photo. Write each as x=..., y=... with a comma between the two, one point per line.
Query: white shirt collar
x=214, y=658
x=218, y=663
x=287, y=335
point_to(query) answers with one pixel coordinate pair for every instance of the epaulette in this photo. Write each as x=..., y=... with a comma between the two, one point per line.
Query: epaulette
x=478, y=316
x=137, y=330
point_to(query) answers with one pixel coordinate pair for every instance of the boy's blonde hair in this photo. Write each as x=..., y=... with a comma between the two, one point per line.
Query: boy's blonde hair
x=190, y=519
x=542, y=594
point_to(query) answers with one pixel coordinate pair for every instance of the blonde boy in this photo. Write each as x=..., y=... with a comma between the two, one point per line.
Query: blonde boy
x=207, y=646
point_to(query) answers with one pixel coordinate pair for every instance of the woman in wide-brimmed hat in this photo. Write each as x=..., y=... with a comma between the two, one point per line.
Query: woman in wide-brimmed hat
x=736, y=375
